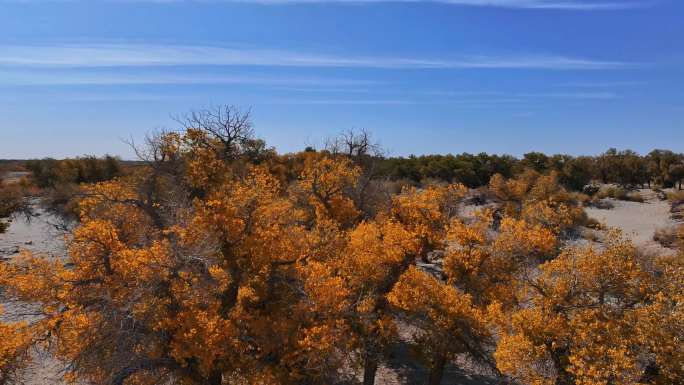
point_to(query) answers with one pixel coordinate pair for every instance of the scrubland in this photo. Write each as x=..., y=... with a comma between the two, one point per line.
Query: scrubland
x=215, y=260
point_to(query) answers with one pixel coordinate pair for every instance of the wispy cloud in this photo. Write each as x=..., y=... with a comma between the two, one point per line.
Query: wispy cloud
x=150, y=55
x=604, y=84
x=503, y=98
x=577, y=5
x=528, y=4
x=42, y=77
x=570, y=95
x=526, y=95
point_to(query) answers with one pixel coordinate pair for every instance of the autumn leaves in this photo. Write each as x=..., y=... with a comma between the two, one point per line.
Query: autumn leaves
x=210, y=267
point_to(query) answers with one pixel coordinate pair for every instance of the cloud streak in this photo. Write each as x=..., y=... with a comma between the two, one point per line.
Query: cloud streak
x=88, y=78
x=525, y=4
x=571, y=5
x=150, y=55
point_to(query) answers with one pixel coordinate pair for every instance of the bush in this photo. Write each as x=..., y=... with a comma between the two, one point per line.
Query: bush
x=634, y=197
x=666, y=236
x=599, y=203
x=594, y=224
x=51, y=172
x=591, y=189
x=12, y=201
x=63, y=201
x=676, y=196
x=621, y=194
x=581, y=198
x=591, y=235
x=677, y=209
x=612, y=192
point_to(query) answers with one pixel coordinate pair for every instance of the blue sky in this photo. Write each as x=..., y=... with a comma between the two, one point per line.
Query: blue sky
x=450, y=76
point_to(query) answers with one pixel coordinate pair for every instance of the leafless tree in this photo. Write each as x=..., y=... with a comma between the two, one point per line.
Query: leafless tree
x=229, y=125
x=354, y=144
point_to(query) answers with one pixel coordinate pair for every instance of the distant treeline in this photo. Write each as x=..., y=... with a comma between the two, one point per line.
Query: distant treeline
x=662, y=168
x=49, y=172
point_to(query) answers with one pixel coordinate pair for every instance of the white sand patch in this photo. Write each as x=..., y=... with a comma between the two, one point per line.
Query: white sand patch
x=638, y=221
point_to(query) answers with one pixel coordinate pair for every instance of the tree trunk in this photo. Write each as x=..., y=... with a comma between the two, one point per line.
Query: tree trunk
x=215, y=378
x=437, y=371
x=680, y=184
x=369, y=370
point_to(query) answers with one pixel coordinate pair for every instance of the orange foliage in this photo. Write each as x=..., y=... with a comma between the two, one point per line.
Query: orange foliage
x=581, y=323
x=207, y=267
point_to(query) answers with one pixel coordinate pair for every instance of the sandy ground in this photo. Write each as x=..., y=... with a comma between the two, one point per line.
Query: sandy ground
x=37, y=235
x=638, y=221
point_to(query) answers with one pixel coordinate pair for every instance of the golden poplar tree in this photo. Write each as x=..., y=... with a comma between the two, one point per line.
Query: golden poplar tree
x=581, y=322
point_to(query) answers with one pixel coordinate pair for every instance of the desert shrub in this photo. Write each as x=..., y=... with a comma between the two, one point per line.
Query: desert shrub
x=591, y=235
x=581, y=198
x=591, y=189
x=60, y=179
x=12, y=201
x=677, y=215
x=666, y=236
x=621, y=194
x=539, y=199
x=594, y=223
x=600, y=203
x=396, y=186
x=676, y=196
x=614, y=192
x=52, y=172
x=479, y=197
x=63, y=200
x=634, y=197
x=677, y=209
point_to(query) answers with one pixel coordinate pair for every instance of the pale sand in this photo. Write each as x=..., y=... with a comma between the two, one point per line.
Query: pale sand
x=638, y=221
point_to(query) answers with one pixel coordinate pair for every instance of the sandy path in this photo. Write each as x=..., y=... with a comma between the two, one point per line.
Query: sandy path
x=638, y=221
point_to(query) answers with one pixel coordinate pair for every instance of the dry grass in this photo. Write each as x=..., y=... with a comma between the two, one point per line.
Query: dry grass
x=666, y=236
x=594, y=224
x=675, y=196
x=619, y=193
x=599, y=203
x=634, y=197
x=676, y=199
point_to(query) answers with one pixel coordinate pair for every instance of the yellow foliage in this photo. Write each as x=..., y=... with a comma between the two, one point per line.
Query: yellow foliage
x=14, y=341
x=581, y=323
x=426, y=212
x=489, y=265
x=328, y=184
x=538, y=199
x=448, y=321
